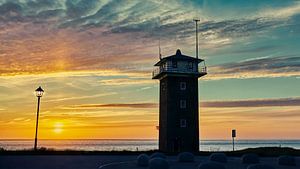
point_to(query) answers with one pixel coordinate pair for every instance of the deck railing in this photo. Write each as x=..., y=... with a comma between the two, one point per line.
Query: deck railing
x=170, y=69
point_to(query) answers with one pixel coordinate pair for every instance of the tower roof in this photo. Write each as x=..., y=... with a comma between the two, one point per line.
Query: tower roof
x=178, y=56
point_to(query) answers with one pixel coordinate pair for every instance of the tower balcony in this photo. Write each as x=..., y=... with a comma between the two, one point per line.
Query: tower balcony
x=158, y=72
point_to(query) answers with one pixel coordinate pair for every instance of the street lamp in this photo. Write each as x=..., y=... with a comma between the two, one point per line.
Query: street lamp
x=39, y=93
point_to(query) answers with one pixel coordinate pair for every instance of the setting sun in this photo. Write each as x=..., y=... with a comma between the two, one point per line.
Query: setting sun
x=58, y=128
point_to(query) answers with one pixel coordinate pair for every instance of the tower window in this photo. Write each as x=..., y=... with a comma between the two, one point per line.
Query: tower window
x=182, y=85
x=190, y=65
x=174, y=64
x=182, y=104
x=183, y=123
x=163, y=86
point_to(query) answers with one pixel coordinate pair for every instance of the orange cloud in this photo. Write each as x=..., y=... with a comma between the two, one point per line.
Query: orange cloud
x=128, y=105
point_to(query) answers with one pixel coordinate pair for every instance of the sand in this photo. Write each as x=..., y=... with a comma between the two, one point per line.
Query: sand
x=112, y=162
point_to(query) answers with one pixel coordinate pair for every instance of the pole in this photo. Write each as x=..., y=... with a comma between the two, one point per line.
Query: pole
x=37, y=123
x=197, y=46
x=159, y=48
x=157, y=128
x=232, y=143
x=233, y=134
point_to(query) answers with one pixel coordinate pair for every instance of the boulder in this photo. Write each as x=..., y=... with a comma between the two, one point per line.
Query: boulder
x=159, y=155
x=218, y=157
x=143, y=160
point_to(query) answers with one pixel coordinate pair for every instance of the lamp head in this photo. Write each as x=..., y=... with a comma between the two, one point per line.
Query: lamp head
x=39, y=92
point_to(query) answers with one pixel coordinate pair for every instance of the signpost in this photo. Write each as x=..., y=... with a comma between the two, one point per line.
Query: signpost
x=233, y=133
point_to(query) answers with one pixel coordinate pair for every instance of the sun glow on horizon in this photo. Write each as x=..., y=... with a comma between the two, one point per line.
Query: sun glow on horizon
x=58, y=127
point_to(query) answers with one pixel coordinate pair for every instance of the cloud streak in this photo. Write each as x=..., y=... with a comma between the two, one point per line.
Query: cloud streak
x=119, y=105
x=83, y=97
x=282, y=66
x=254, y=103
x=276, y=102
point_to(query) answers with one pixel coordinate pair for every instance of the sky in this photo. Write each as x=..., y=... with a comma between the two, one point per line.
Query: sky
x=94, y=60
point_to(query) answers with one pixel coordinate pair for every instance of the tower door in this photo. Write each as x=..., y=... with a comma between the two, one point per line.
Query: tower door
x=176, y=144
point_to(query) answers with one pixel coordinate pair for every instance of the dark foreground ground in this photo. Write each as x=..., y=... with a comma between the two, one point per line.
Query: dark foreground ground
x=51, y=159
x=261, y=151
x=59, y=161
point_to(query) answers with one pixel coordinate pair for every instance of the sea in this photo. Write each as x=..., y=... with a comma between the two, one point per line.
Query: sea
x=140, y=145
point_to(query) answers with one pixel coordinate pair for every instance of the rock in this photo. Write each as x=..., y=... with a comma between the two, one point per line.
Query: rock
x=158, y=163
x=286, y=160
x=218, y=157
x=159, y=155
x=260, y=166
x=185, y=157
x=211, y=165
x=250, y=158
x=143, y=160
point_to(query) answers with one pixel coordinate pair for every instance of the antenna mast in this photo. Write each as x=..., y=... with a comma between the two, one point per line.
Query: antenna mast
x=197, y=46
x=159, y=48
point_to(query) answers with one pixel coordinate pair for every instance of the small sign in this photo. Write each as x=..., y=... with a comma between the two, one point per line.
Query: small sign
x=233, y=133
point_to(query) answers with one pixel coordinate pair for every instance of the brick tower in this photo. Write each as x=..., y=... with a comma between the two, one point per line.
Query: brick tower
x=178, y=102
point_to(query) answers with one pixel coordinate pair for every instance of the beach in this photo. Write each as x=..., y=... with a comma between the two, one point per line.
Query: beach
x=114, y=161
x=140, y=144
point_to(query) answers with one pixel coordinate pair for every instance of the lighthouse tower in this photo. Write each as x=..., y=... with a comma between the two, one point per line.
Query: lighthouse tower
x=178, y=102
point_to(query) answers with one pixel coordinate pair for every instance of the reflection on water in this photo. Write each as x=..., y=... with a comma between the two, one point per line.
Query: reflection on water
x=140, y=145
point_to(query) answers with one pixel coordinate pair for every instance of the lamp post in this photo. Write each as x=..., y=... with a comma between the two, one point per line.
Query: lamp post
x=39, y=93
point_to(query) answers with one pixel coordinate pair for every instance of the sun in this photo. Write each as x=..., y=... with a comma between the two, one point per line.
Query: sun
x=58, y=127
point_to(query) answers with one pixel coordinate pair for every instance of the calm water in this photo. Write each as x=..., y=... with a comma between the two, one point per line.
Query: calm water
x=133, y=145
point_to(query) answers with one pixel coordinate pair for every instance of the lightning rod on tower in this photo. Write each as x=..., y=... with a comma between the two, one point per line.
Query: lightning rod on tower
x=159, y=48
x=197, y=48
